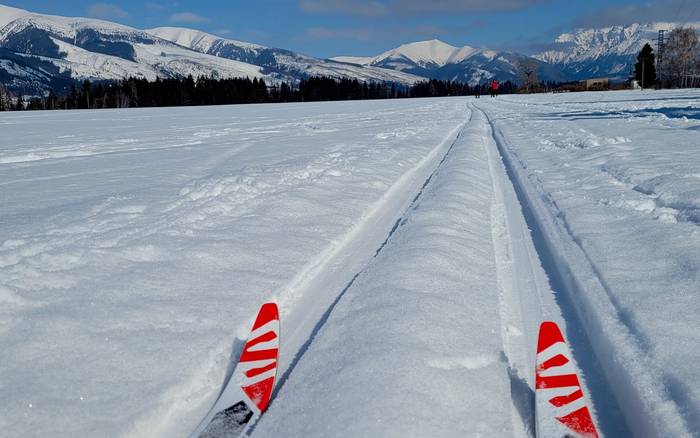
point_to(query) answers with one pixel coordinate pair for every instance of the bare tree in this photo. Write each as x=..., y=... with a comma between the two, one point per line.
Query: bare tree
x=527, y=69
x=682, y=56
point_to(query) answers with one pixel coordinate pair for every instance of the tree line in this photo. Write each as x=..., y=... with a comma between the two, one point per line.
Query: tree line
x=142, y=93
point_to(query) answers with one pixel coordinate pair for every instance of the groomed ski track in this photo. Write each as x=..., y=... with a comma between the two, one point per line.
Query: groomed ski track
x=624, y=379
x=428, y=288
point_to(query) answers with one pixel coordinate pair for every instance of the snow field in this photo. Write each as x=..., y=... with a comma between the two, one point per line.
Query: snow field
x=136, y=246
x=579, y=165
x=414, y=247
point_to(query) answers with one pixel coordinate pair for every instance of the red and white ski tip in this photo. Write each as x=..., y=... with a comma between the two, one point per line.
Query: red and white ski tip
x=562, y=409
x=247, y=393
x=257, y=367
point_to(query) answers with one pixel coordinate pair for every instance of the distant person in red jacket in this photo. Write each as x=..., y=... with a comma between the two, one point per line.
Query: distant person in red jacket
x=494, y=88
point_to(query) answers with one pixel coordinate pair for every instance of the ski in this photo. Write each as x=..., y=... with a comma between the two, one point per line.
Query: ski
x=247, y=393
x=561, y=407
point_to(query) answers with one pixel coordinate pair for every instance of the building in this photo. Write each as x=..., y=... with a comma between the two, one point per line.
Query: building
x=596, y=84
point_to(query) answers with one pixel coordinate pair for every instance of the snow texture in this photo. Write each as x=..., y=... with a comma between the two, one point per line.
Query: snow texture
x=413, y=247
x=136, y=246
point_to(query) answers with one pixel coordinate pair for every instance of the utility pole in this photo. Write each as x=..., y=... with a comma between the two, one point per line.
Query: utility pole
x=660, y=46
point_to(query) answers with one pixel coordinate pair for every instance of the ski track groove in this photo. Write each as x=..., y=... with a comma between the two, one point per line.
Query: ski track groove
x=555, y=308
x=514, y=352
x=580, y=292
x=329, y=310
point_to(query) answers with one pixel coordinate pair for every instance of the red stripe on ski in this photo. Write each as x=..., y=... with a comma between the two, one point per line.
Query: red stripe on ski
x=562, y=381
x=556, y=361
x=260, y=392
x=566, y=399
x=549, y=335
x=580, y=421
x=257, y=371
x=248, y=356
x=268, y=312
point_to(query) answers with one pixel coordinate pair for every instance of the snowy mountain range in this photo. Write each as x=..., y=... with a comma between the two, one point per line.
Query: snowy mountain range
x=608, y=51
x=439, y=60
x=38, y=52
x=278, y=62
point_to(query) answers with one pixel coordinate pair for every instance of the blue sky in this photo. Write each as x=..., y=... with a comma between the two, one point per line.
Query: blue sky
x=327, y=28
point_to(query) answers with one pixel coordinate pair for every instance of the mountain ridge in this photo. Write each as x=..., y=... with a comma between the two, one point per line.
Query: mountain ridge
x=439, y=60
x=39, y=51
x=605, y=51
x=76, y=48
x=281, y=61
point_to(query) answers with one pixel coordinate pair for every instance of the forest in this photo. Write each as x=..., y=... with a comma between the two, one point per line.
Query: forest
x=141, y=93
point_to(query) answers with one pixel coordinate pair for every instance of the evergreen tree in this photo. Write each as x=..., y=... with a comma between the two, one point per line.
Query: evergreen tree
x=4, y=99
x=646, y=66
x=85, y=95
x=35, y=104
x=73, y=98
x=139, y=92
x=52, y=101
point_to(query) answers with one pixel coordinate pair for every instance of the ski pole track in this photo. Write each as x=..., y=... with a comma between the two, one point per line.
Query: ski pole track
x=594, y=322
x=323, y=266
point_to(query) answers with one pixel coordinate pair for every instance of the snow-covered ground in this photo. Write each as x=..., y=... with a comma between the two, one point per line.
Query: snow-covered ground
x=135, y=245
x=413, y=247
x=617, y=174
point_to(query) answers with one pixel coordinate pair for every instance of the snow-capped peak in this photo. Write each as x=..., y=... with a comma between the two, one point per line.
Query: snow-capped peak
x=591, y=44
x=422, y=52
x=431, y=53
